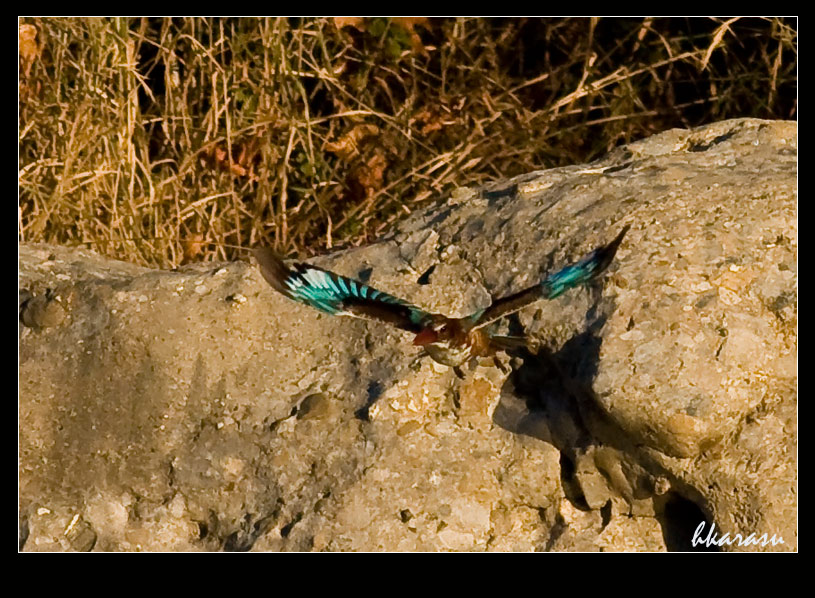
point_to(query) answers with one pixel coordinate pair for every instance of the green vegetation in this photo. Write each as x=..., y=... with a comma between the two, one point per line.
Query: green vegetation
x=161, y=141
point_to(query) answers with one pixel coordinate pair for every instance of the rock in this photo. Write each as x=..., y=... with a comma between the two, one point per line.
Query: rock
x=42, y=311
x=200, y=410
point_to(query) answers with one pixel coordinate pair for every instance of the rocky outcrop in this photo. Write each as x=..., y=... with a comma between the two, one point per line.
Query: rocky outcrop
x=200, y=410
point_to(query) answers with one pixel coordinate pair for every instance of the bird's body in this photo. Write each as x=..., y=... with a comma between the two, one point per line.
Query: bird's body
x=456, y=343
x=449, y=341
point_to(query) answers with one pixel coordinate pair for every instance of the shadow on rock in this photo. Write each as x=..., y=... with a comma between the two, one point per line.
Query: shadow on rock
x=550, y=396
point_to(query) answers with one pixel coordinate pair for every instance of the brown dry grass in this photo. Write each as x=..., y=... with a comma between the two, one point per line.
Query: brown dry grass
x=166, y=140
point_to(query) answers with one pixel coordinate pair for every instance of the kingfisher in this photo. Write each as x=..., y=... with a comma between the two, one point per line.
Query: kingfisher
x=449, y=341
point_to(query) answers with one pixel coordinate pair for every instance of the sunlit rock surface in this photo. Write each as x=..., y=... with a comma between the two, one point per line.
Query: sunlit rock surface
x=200, y=410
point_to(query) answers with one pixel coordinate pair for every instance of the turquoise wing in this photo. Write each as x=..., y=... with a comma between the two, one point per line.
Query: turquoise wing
x=553, y=285
x=583, y=271
x=337, y=295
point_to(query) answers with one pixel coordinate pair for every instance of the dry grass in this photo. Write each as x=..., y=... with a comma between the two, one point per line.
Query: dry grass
x=165, y=140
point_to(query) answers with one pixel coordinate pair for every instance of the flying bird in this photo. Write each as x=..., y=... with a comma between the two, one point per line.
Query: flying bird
x=449, y=341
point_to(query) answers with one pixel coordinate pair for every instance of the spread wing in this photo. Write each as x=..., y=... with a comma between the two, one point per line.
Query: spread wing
x=335, y=294
x=554, y=284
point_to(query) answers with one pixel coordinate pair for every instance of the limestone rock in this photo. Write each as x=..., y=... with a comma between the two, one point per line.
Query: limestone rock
x=200, y=410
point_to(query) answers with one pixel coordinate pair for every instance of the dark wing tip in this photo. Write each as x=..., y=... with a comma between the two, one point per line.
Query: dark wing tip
x=607, y=253
x=619, y=238
x=274, y=271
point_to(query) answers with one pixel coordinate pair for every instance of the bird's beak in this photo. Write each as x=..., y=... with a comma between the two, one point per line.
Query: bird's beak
x=425, y=337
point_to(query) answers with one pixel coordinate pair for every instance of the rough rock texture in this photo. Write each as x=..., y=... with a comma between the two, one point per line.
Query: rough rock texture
x=200, y=410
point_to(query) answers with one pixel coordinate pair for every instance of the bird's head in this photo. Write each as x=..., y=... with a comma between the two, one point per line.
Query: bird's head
x=440, y=330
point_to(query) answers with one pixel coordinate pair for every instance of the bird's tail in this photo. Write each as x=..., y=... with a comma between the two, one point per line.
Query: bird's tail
x=589, y=267
x=511, y=342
